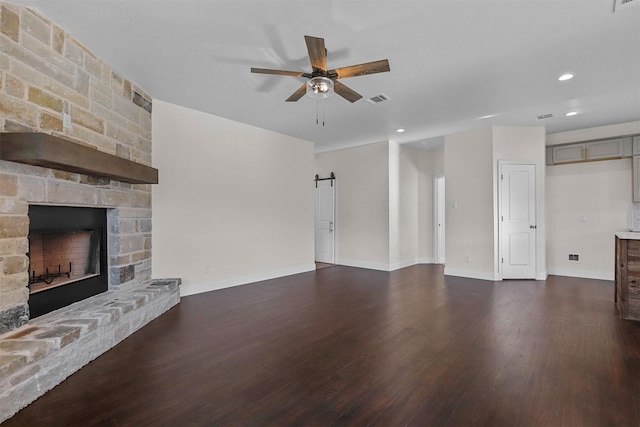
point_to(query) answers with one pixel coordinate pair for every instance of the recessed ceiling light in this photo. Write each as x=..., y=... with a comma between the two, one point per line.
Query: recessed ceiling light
x=571, y=113
x=564, y=77
x=400, y=130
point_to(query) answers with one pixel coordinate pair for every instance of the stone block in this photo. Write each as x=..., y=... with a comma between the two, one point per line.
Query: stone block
x=15, y=86
x=86, y=119
x=13, y=317
x=31, y=188
x=82, y=82
x=14, y=226
x=58, y=39
x=19, y=110
x=65, y=176
x=10, y=364
x=61, y=335
x=10, y=300
x=22, y=332
x=44, y=99
x=8, y=185
x=73, y=52
x=13, y=206
x=14, y=264
x=24, y=375
x=72, y=194
x=7, y=246
x=9, y=23
x=32, y=348
x=93, y=66
x=142, y=102
x=11, y=126
x=22, y=245
x=35, y=26
x=14, y=281
x=88, y=325
x=50, y=122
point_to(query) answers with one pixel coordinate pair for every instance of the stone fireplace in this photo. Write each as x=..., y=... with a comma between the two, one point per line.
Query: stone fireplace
x=52, y=85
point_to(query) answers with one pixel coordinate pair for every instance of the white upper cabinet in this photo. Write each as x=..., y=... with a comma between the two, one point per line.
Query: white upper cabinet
x=569, y=153
x=616, y=148
x=608, y=149
x=636, y=145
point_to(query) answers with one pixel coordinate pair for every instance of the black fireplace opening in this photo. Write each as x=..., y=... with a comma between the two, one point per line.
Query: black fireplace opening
x=67, y=256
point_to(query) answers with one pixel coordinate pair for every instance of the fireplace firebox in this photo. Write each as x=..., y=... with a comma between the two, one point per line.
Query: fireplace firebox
x=67, y=256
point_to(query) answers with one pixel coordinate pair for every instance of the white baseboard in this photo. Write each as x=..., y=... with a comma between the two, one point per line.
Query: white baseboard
x=363, y=264
x=427, y=261
x=198, y=288
x=598, y=275
x=470, y=274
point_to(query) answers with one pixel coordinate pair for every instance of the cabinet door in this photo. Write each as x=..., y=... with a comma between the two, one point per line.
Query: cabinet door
x=636, y=178
x=569, y=153
x=636, y=145
x=608, y=149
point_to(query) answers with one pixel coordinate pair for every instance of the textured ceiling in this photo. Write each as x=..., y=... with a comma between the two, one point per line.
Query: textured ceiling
x=452, y=62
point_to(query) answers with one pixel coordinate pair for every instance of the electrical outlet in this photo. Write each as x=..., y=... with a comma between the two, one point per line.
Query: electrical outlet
x=574, y=257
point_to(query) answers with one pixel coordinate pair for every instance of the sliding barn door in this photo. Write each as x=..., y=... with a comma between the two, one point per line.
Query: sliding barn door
x=325, y=221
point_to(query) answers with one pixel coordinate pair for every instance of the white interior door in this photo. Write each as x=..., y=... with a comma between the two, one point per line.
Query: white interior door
x=518, y=227
x=325, y=221
x=439, y=203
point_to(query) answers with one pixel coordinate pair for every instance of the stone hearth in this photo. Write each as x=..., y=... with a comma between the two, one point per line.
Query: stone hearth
x=40, y=355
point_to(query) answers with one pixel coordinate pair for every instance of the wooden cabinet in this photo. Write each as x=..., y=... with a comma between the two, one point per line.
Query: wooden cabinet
x=627, y=295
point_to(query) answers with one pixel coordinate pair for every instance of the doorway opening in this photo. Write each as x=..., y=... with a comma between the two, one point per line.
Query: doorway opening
x=439, y=219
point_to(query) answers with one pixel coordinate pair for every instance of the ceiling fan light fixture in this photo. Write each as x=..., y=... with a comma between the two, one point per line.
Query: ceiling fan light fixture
x=320, y=87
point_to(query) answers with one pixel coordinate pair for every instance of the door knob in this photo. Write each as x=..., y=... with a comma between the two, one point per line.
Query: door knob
x=533, y=226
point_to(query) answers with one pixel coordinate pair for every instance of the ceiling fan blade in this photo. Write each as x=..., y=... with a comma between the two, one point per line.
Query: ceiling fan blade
x=278, y=72
x=298, y=94
x=317, y=52
x=381, y=66
x=346, y=92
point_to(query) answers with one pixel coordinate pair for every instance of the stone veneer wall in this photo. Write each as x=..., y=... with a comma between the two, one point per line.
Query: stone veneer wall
x=45, y=72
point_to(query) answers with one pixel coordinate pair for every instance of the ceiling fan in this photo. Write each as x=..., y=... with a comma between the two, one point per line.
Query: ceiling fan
x=322, y=82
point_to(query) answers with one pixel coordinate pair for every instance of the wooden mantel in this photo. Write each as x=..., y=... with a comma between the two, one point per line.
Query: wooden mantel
x=41, y=149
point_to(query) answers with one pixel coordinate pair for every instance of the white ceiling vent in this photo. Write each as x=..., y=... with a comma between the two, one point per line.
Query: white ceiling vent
x=620, y=5
x=378, y=99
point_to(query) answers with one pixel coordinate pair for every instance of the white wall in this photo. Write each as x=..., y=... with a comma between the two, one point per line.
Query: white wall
x=234, y=203
x=599, y=191
x=469, y=215
x=362, y=203
x=409, y=198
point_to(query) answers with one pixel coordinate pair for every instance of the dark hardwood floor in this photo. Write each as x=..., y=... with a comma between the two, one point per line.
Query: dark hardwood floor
x=348, y=346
